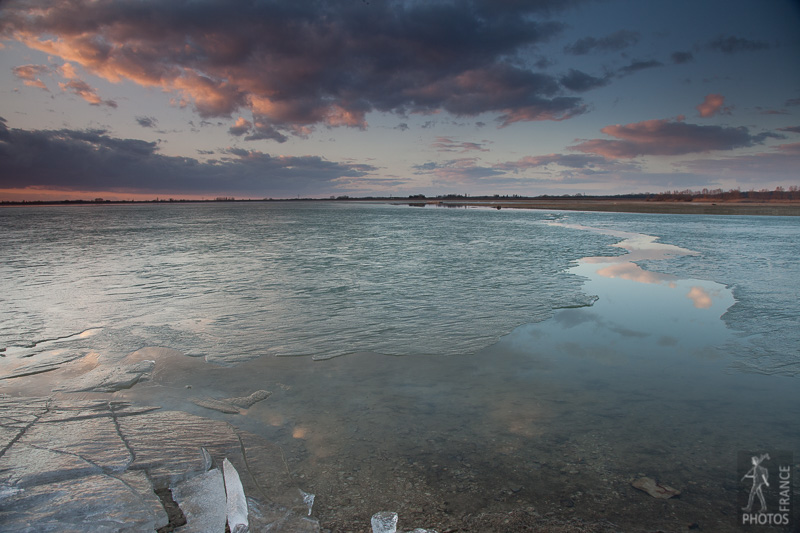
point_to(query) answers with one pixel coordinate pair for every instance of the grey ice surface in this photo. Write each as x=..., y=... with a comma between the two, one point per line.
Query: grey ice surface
x=52, y=361
x=94, y=466
x=110, y=378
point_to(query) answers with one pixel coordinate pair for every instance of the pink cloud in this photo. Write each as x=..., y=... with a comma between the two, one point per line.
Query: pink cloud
x=792, y=148
x=82, y=89
x=28, y=74
x=664, y=137
x=712, y=105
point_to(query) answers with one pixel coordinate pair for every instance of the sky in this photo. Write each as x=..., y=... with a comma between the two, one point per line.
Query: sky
x=139, y=99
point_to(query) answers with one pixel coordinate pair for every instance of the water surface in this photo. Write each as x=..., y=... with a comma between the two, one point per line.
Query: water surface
x=474, y=381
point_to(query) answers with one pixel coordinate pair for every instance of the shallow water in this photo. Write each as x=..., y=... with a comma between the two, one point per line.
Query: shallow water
x=551, y=421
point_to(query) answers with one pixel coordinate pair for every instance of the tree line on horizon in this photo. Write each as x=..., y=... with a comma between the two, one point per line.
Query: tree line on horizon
x=686, y=195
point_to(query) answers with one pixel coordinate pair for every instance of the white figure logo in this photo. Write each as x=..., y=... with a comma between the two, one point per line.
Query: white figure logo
x=759, y=475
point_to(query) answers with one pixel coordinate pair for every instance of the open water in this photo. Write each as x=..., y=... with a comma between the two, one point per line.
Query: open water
x=549, y=358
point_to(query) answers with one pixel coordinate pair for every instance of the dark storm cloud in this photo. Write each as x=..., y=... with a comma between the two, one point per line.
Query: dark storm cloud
x=734, y=45
x=578, y=81
x=296, y=65
x=93, y=160
x=610, y=43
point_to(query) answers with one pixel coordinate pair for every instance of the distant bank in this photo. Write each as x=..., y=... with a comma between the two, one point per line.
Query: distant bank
x=778, y=203
x=761, y=208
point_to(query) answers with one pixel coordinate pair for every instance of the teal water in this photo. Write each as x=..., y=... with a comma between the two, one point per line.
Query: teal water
x=549, y=358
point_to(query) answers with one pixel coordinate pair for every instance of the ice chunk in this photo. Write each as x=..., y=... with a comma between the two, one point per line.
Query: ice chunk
x=384, y=522
x=308, y=499
x=217, y=405
x=232, y=405
x=202, y=500
x=207, y=461
x=237, y=503
x=247, y=401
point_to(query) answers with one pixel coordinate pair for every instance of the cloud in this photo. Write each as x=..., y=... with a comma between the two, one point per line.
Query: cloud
x=75, y=160
x=446, y=144
x=792, y=129
x=792, y=149
x=712, y=105
x=667, y=137
x=764, y=111
x=564, y=160
x=792, y=102
x=680, y=58
x=636, y=66
x=462, y=170
x=296, y=66
x=402, y=127
x=611, y=43
x=774, y=166
x=264, y=130
x=147, y=122
x=240, y=127
x=29, y=75
x=578, y=81
x=82, y=89
x=735, y=45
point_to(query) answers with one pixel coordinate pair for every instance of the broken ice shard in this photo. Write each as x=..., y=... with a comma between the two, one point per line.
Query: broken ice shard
x=237, y=503
x=308, y=499
x=384, y=522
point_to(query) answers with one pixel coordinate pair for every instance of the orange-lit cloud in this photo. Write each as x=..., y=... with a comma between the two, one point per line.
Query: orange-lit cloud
x=712, y=105
x=29, y=75
x=82, y=89
x=305, y=66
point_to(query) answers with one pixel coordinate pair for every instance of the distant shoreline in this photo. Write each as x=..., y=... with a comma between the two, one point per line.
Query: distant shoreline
x=773, y=208
x=611, y=204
